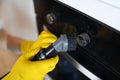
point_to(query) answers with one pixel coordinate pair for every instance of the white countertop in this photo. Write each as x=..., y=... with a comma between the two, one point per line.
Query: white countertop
x=106, y=11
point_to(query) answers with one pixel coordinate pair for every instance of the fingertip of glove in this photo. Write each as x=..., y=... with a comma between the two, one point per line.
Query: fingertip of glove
x=56, y=58
x=45, y=31
x=53, y=63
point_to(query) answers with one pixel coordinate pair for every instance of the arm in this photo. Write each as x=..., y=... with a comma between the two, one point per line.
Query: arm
x=10, y=41
x=14, y=42
x=7, y=60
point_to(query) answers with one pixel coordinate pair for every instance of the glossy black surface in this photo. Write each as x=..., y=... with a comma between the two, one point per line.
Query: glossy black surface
x=102, y=55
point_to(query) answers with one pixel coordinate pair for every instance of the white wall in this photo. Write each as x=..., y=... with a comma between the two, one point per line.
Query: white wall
x=19, y=18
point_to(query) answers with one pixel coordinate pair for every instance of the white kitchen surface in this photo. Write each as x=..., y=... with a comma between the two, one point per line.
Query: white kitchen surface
x=106, y=11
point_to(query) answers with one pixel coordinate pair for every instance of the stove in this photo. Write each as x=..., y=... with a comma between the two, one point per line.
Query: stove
x=99, y=59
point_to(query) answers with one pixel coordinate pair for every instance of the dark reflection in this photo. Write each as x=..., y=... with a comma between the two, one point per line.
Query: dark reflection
x=65, y=71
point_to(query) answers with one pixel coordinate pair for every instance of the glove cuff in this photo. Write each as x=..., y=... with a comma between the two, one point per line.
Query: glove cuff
x=10, y=76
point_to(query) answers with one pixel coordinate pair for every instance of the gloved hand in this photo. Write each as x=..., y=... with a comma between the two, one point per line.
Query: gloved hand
x=25, y=69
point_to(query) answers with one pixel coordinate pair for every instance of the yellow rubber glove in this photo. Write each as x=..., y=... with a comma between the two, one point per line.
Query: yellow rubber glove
x=25, y=69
